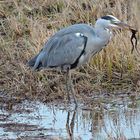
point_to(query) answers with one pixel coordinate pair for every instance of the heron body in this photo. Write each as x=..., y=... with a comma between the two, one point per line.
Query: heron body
x=74, y=45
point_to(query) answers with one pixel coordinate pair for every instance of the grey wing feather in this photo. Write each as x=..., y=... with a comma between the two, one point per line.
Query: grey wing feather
x=64, y=50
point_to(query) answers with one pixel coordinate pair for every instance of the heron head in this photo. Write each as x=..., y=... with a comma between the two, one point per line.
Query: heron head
x=110, y=21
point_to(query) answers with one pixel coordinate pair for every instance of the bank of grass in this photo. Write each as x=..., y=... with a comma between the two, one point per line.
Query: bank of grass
x=26, y=25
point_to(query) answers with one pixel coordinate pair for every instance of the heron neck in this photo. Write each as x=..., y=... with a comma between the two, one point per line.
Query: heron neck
x=103, y=33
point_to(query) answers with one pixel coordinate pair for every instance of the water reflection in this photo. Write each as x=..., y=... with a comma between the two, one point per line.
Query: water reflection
x=35, y=120
x=70, y=123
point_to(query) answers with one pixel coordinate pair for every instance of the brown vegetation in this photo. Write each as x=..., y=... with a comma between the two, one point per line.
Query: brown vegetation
x=26, y=25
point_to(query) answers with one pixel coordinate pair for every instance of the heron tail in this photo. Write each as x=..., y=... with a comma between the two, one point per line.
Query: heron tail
x=35, y=63
x=31, y=62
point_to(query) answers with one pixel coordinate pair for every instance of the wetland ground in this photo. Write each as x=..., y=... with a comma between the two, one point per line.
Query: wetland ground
x=33, y=104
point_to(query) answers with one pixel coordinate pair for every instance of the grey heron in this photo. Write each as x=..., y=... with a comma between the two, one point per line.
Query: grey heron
x=73, y=46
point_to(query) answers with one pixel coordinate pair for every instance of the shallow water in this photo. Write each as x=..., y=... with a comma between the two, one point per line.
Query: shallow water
x=33, y=120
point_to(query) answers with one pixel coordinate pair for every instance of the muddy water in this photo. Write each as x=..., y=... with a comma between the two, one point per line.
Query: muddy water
x=116, y=118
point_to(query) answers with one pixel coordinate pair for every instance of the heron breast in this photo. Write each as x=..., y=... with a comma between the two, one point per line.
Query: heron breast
x=83, y=59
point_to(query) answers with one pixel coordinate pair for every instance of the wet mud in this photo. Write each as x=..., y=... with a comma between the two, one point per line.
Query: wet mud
x=104, y=118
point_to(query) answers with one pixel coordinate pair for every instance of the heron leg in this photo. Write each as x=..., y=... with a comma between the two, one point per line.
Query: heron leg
x=67, y=86
x=70, y=87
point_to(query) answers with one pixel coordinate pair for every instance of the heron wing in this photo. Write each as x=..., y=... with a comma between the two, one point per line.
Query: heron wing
x=64, y=50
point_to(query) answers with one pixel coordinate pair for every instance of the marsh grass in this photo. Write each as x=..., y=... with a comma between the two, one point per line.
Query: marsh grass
x=26, y=25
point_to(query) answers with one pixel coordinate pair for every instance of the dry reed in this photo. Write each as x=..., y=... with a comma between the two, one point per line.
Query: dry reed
x=26, y=25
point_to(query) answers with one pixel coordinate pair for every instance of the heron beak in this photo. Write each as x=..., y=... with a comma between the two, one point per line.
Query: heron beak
x=125, y=26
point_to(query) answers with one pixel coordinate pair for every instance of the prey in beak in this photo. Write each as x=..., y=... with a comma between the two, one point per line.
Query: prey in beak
x=125, y=26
